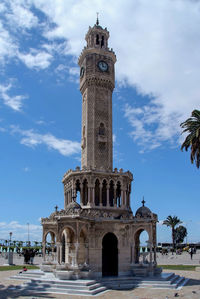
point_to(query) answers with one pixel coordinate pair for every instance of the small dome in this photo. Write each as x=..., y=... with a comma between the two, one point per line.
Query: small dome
x=73, y=205
x=143, y=211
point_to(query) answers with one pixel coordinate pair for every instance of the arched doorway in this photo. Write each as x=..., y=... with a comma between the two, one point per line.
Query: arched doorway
x=141, y=246
x=63, y=248
x=109, y=255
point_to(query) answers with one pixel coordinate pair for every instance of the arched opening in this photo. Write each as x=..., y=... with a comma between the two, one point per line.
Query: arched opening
x=109, y=255
x=101, y=129
x=102, y=41
x=104, y=193
x=85, y=193
x=97, y=193
x=111, y=194
x=63, y=249
x=118, y=194
x=97, y=39
x=78, y=190
x=50, y=245
x=128, y=192
x=141, y=247
x=68, y=247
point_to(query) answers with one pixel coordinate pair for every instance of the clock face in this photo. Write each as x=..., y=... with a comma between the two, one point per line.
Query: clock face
x=103, y=66
x=82, y=71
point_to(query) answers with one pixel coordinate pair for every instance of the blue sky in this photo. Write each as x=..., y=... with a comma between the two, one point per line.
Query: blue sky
x=157, y=87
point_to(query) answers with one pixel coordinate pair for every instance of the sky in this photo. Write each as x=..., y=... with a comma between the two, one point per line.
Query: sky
x=157, y=45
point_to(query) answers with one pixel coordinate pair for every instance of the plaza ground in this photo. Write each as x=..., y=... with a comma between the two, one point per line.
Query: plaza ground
x=190, y=291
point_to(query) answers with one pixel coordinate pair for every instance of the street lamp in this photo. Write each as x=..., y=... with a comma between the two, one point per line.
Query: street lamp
x=10, y=254
x=10, y=236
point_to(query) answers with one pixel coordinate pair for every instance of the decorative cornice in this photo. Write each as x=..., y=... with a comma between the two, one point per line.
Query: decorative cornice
x=94, y=81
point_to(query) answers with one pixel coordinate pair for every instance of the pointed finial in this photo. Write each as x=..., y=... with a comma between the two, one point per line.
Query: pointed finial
x=97, y=21
x=56, y=208
x=143, y=201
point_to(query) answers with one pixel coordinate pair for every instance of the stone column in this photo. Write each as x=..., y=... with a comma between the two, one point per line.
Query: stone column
x=76, y=254
x=87, y=253
x=126, y=198
x=81, y=194
x=67, y=245
x=44, y=250
x=123, y=197
x=151, y=256
x=58, y=258
x=155, y=261
x=89, y=191
x=115, y=199
x=91, y=199
x=100, y=194
x=107, y=196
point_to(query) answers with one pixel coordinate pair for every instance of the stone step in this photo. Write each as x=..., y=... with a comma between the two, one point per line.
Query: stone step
x=60, y=286
x=50, y=284
x=63, y=289
x=174, y=282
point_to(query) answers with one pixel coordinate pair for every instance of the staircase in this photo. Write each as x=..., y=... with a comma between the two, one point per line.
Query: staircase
x=164, y=280
x=40, y=282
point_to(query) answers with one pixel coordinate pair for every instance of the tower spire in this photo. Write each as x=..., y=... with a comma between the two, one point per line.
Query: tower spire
x=97, y=21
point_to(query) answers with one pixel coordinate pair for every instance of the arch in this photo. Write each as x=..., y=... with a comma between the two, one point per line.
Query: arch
x=138, y=248
x=68, y=230
x=118, y=194
x=49, y=243
x=102, y=41
x=67, y=244
x=78, y=191
x=109, y=255
x=85, y=192
x=97, y=192
x=104, y=193
x=52, y=234
x=111, y=194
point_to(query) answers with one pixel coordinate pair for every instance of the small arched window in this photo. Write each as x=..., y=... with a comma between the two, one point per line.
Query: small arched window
x=101, y=129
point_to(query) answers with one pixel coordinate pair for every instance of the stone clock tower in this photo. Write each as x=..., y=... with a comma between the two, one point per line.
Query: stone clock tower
x=97, y=81
x=96, y=234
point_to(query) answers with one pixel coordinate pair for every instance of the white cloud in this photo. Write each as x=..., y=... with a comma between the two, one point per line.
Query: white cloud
x=157, y=55
x=20, y=231
x=36, y=59
x=7, y=45
x=20, y=16
x=32, y=139
x=14, y=102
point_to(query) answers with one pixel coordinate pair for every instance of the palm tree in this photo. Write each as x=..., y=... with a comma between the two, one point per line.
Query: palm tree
x=172, y=222
x=192, y=126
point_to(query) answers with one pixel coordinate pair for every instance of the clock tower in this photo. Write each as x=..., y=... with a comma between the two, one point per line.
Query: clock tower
x=96, y=234
x=97, y=81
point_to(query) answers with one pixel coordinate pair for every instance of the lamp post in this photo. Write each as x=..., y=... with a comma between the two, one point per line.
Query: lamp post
x=10, y=254
x=10, y=239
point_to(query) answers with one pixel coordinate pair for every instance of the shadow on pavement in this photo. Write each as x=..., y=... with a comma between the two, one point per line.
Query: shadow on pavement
x=13, y=291
x=193, y=282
